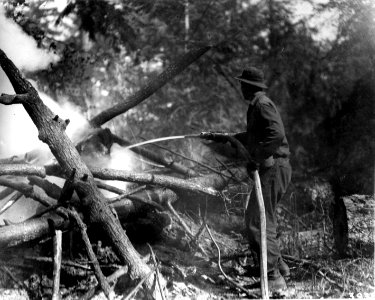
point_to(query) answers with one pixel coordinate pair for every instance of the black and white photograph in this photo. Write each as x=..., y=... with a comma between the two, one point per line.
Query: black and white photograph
x=187, y=149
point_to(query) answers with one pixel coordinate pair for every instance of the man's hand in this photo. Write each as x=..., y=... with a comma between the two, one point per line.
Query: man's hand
x=218, y=137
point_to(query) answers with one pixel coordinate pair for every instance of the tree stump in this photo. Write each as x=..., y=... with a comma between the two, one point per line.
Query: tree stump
x=359, y=213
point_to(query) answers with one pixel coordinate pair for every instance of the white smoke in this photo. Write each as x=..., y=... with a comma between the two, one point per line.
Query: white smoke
x=18, y=134
x=21, y=48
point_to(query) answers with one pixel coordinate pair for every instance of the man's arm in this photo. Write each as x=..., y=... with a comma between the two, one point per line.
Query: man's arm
x=274, y=132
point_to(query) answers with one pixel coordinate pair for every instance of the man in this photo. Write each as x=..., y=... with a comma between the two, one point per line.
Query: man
x=267, y=144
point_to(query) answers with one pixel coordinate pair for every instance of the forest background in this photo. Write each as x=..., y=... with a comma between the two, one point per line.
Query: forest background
x=318, y=57
x=86, y=56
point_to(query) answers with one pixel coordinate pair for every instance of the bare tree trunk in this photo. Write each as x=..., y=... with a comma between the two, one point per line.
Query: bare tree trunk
x=52, y=132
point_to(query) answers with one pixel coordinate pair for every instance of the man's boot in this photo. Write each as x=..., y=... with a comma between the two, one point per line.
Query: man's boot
x=276, y=281
x=283, y=267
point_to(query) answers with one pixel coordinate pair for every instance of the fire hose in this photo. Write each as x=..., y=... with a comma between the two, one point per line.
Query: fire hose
x=215, y=136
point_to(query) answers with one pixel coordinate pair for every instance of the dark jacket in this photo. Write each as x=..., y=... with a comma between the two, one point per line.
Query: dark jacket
x=265, y=134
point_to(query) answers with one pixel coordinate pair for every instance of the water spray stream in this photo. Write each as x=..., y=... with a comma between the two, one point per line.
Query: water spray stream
x=175, y=137
x=207, y=135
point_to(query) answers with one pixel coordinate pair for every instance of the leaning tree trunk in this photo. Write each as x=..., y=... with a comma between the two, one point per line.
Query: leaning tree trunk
x=149, y=88
x=52, y=132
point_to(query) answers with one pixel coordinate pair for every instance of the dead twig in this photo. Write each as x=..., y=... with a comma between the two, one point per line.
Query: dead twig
x=6, y=192
x=110, y=188
x=199, y=163
x=126, y=194
x=11, y=276
x=22, y=169
x=10, y=202
x=57, y=251
x=222, y=272
x=138, y=286
x=95, y=264
x=68, y=263
x=47, y=210
x=111, y=279
x=29, y=191
x=157, y=272
x=180, y=220
x=229, y=171
x=200, y=232
x=330, y=280
x=184, y=226
x=318, y=267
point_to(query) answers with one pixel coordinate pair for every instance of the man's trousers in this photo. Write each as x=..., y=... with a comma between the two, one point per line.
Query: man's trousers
x=274, y=181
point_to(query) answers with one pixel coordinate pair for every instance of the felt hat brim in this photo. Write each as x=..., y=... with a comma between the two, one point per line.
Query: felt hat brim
x=256, y=83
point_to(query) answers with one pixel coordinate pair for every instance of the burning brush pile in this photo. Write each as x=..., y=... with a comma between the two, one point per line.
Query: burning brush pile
x=176, y=225
x=179, y=226
x=63, y=215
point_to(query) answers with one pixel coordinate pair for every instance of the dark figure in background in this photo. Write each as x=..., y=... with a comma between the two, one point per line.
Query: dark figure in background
x=267, y=144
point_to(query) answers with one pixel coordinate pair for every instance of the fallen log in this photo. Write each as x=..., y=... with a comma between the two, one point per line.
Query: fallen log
x=33, y=229
x=125, y=209
x=161, y=180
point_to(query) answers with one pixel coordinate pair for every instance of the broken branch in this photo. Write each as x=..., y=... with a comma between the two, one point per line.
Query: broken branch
x=10, y=202
x=22, y=169
x=111, y=279
x=198, y=163
x=162, y=180
x=95, y=263
x=138, y=286
x=221, y=270
x=57, y=251
x=16, y=234
x=157, y=272
x=29, y=191
x=13, y=99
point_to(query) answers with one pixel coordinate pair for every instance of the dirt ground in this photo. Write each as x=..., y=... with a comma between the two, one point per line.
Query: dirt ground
x=192, y=270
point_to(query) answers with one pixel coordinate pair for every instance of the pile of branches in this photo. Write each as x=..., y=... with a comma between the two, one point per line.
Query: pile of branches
x=80, y=202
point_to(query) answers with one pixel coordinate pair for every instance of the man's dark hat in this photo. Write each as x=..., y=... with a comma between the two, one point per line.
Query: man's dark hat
x=252, y=76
